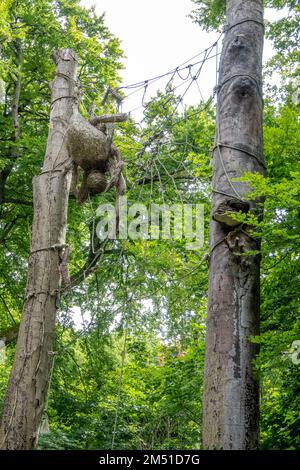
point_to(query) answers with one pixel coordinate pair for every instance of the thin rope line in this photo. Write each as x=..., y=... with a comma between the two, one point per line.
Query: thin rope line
x=223, y=193
x=235, y=147
x=217, y=244
x=229, y=27
x=218, y=87
x=48, y=248
x=51, y=171
x=119, y=389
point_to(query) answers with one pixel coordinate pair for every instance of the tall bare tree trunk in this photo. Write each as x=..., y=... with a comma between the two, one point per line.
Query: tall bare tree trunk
x=28, y=384
x=230, y=407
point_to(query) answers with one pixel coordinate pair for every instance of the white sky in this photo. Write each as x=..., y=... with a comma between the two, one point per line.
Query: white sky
x=156, y=36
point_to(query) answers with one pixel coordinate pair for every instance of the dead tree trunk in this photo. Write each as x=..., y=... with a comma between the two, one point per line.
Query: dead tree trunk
x=230, y=406
x=28, y=384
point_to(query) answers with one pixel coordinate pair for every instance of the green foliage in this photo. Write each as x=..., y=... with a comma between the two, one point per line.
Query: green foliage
x=285, y=35
x=209, y=13
x=131, y=375
x=157, y=402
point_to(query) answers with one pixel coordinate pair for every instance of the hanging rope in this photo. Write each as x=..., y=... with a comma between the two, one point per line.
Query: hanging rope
x=177, y=69
x=126, y=306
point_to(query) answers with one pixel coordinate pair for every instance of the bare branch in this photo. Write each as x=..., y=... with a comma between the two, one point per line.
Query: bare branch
x=120, y=117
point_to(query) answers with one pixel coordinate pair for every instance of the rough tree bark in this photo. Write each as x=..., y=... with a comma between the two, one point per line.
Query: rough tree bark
x=230, y=406
x=27, y=389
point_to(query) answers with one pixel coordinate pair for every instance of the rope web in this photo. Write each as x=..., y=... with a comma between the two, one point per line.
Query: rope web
x=173, y=89
x=153, y=176
x=160, y=165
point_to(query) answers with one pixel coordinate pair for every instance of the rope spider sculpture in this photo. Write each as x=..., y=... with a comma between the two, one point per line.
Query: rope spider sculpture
x=90, y=146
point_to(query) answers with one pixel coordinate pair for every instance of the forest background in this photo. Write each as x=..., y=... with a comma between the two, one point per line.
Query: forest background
x=131, y=376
